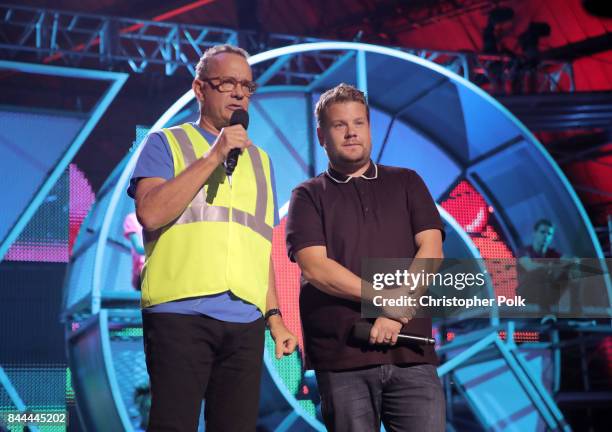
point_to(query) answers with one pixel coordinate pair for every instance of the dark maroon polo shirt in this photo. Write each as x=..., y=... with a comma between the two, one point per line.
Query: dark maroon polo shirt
x=376, y=215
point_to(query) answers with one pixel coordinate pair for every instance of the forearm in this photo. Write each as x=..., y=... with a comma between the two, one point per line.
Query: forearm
x=530, y=265
x=427, y=259
x=272, y=298
x=430, y=250
x=164, y=202
x=334, y=279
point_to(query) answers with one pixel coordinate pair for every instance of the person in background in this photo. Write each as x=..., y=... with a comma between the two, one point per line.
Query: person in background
x=543, y=272
x=543, y=233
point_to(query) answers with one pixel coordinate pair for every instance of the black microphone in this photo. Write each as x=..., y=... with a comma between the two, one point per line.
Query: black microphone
x=361, y=331
x=240, y=117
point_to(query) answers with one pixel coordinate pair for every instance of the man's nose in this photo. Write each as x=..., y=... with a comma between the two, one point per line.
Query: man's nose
x=350, y=131
x=238, y=92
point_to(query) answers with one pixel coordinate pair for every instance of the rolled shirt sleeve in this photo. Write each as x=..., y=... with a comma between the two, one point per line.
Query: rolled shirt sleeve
x=304, y=225
x=155, y=160
x=424, y=214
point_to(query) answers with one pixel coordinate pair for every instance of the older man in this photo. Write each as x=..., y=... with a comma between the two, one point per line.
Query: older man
x=208, y=281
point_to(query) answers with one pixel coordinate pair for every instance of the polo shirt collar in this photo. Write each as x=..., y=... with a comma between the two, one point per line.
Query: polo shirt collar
x=370, y=174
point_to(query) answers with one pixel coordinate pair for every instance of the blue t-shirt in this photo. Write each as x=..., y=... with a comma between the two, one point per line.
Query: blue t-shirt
x=155, y=160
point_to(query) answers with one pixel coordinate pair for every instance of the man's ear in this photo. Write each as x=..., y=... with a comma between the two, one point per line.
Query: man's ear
x=196, y=86
x=320, y=136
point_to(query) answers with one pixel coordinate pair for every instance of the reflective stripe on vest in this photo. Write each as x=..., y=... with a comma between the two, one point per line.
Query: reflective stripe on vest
x=199, y=210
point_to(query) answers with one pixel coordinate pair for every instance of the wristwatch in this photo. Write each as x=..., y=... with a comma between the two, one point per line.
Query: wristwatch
x=273, y=312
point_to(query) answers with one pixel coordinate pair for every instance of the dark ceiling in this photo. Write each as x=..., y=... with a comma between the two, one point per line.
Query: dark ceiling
x=453, y=25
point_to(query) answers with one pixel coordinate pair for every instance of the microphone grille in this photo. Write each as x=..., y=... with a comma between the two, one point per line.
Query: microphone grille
x=240, y=117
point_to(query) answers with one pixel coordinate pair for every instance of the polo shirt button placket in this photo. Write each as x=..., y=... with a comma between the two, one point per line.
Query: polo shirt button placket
x=366, y=207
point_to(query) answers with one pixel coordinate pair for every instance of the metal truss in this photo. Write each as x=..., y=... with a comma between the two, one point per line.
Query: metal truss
x=115, y=43
x=76, y=39
x=472, y=344
x=503, y=74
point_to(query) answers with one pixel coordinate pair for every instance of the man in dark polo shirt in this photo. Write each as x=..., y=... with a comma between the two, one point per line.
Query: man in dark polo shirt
x=358, y=209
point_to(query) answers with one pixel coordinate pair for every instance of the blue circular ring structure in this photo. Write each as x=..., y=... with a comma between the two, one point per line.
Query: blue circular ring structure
x=424, y=117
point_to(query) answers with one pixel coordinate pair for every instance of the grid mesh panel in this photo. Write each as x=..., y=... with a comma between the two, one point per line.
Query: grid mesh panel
x=130, y=368
x=50, y=234
x=45, y=237
x=287, y=274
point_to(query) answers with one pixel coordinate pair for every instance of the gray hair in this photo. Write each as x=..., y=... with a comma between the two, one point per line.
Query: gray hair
x=204, y=63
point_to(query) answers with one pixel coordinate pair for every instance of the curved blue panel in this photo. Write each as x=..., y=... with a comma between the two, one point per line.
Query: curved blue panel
x=486, y=127
x=399, y=85
x=279, y=125
x=380, y=122
x=30, y=146
x=409, y=149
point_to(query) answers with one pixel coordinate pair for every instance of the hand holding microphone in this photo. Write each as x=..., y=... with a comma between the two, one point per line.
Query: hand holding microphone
x=231, y=141
x=239, y=117
x=362, y=332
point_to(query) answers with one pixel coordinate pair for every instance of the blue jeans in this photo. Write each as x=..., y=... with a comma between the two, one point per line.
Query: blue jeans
x=405, y=398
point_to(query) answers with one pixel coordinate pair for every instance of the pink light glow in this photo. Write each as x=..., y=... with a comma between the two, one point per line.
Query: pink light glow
x=80, y=199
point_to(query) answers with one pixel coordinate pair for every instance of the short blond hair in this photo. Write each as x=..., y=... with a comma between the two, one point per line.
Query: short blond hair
x=341, y=93
x=203, y=65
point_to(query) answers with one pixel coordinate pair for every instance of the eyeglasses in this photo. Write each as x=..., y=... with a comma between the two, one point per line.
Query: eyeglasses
x=228, y=84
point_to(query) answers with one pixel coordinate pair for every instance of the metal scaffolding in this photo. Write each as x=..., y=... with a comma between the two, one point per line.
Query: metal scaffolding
x=139, y=46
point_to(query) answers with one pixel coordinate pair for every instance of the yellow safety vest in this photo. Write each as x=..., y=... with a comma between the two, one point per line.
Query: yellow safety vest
x=223, y=239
